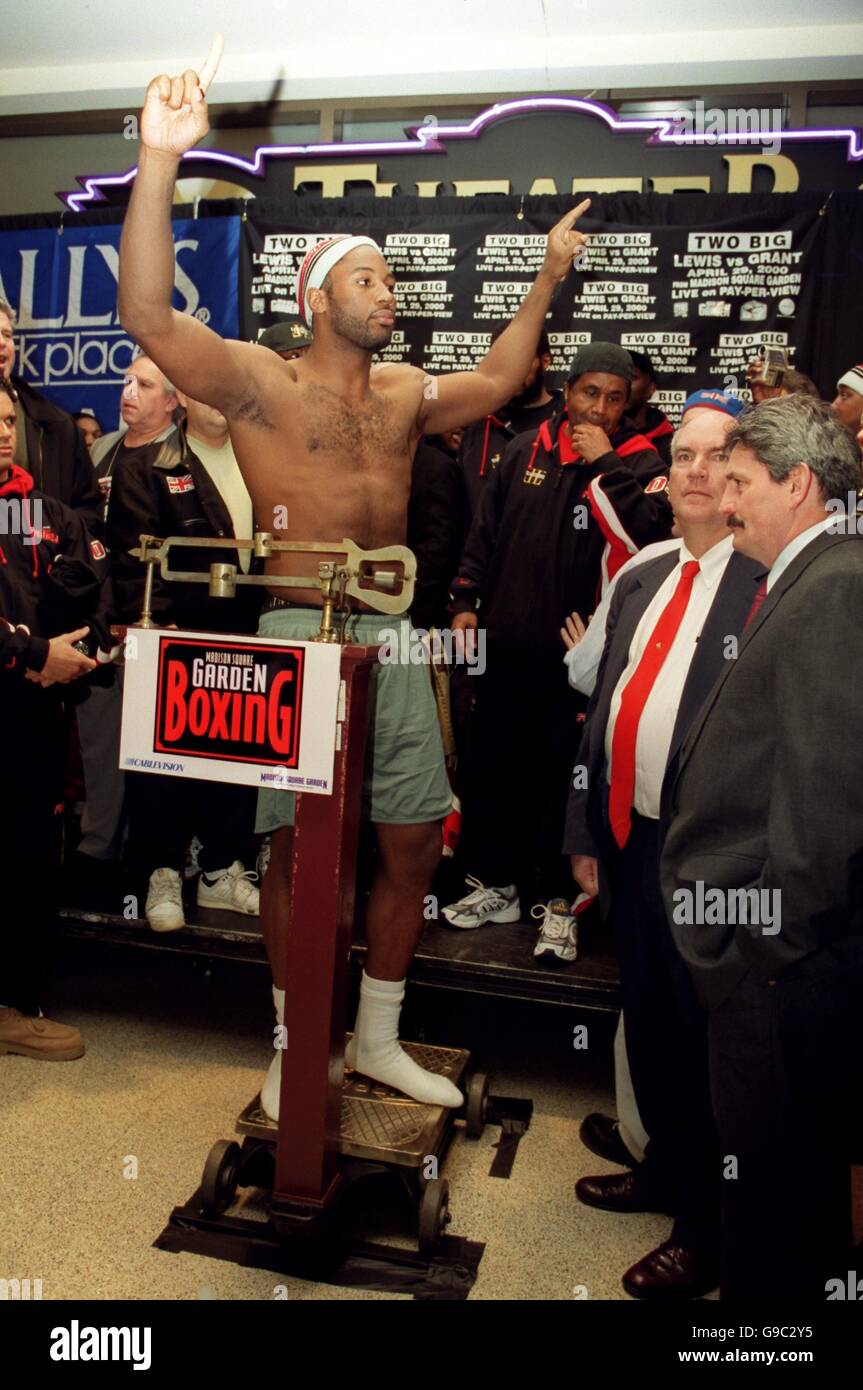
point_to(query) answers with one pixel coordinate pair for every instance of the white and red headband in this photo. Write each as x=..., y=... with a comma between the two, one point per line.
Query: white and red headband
x=318, y=263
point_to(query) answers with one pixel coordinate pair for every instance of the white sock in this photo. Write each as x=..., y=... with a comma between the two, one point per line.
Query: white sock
x=273, y=1081
x=351, y=1047
x=376, y=1052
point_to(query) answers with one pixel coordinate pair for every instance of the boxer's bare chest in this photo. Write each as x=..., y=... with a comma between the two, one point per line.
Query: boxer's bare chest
x=335, y=466
x=372, y=433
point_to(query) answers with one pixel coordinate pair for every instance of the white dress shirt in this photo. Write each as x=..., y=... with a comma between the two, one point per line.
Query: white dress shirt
x=793, y=548
x=582, y=661
x=656, y=725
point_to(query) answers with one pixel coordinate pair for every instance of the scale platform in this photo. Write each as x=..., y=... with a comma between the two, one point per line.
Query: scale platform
x=378, y=1123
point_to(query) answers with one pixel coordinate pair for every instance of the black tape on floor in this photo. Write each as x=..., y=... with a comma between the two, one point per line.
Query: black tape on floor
x=514, y=1118
x=450, y=1273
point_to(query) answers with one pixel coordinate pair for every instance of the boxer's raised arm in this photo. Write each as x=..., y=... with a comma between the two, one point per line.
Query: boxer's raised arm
x=195, y=358
x=462, y=397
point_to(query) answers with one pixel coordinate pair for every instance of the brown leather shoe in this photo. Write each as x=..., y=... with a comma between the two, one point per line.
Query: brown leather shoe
x=38, y=1037
x=671, y=1271
x=617, y=1192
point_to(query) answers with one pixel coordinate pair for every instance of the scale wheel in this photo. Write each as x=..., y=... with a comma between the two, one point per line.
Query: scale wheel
x=434, y=1214
x=219, y=1180
x=476, y=1105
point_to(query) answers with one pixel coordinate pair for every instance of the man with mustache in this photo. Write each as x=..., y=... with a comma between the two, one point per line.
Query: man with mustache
x=768, y=801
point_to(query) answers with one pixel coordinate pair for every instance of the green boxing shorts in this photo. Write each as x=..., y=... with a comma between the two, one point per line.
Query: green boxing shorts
x=405, y=780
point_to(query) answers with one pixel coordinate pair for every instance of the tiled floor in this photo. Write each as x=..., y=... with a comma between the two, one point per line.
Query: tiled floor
x=95, y=1153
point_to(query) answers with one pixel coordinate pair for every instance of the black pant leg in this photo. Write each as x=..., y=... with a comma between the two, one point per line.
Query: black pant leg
x=785, y=1072
x=495, y=812
x=666, y=1043
x=556, y=736
x=160, y=813
x=224, y=821
x=32, y=762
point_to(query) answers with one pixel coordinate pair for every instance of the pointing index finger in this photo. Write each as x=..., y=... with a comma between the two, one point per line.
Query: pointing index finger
x=211, y=62
x=570, y=218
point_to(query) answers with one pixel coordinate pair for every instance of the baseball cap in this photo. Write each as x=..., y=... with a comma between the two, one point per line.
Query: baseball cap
x=287, y=336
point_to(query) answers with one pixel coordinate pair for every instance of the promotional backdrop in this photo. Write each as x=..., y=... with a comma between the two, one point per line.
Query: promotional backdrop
x=700, y=282
x=700, y=286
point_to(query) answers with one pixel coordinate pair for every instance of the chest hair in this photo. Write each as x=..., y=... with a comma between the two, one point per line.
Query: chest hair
x=369, y=433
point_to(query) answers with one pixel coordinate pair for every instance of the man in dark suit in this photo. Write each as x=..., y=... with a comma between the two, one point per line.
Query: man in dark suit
x=763, y=864
x=672, y=627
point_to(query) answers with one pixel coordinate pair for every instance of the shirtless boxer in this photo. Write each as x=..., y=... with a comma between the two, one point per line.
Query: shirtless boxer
x=330, y=438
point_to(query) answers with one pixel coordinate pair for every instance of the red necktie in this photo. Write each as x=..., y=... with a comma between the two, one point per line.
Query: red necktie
x=633, y=700
x=760, y=596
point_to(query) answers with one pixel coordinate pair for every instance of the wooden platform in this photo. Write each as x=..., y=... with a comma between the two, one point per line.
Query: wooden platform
x=494, y=960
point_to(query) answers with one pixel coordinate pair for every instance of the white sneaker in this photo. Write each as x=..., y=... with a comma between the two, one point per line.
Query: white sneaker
x=558, y=935
x=164, y=910
x=231, y=891
x=484, y=905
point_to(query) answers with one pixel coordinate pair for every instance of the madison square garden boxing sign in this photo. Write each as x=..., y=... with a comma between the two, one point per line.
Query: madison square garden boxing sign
x=249, y=710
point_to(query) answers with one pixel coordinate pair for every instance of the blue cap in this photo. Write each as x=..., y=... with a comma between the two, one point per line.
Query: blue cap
x=713, y=400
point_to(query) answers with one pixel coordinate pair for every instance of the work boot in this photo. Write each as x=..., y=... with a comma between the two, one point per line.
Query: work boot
x=38, y=1037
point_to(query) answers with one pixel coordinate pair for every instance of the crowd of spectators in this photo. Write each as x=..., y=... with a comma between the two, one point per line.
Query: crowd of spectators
x=571, y=536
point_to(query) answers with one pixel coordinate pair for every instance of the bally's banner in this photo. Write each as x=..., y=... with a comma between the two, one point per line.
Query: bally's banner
x=231, y=709
x=63, y=285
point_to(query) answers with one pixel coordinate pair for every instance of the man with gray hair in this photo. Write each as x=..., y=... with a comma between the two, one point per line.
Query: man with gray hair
x=148, y=407
x=183, y=482
x=768, y=795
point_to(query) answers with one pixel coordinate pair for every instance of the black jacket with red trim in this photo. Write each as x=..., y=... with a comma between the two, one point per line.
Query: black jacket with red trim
x=53, y=576
x=659, y=430
x=550, y=534
x=57, y=456
x=485, y=442
x=163, y=489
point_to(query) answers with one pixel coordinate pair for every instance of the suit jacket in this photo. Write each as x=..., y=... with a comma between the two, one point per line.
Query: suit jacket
x=587, y=813
x=768, y=792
